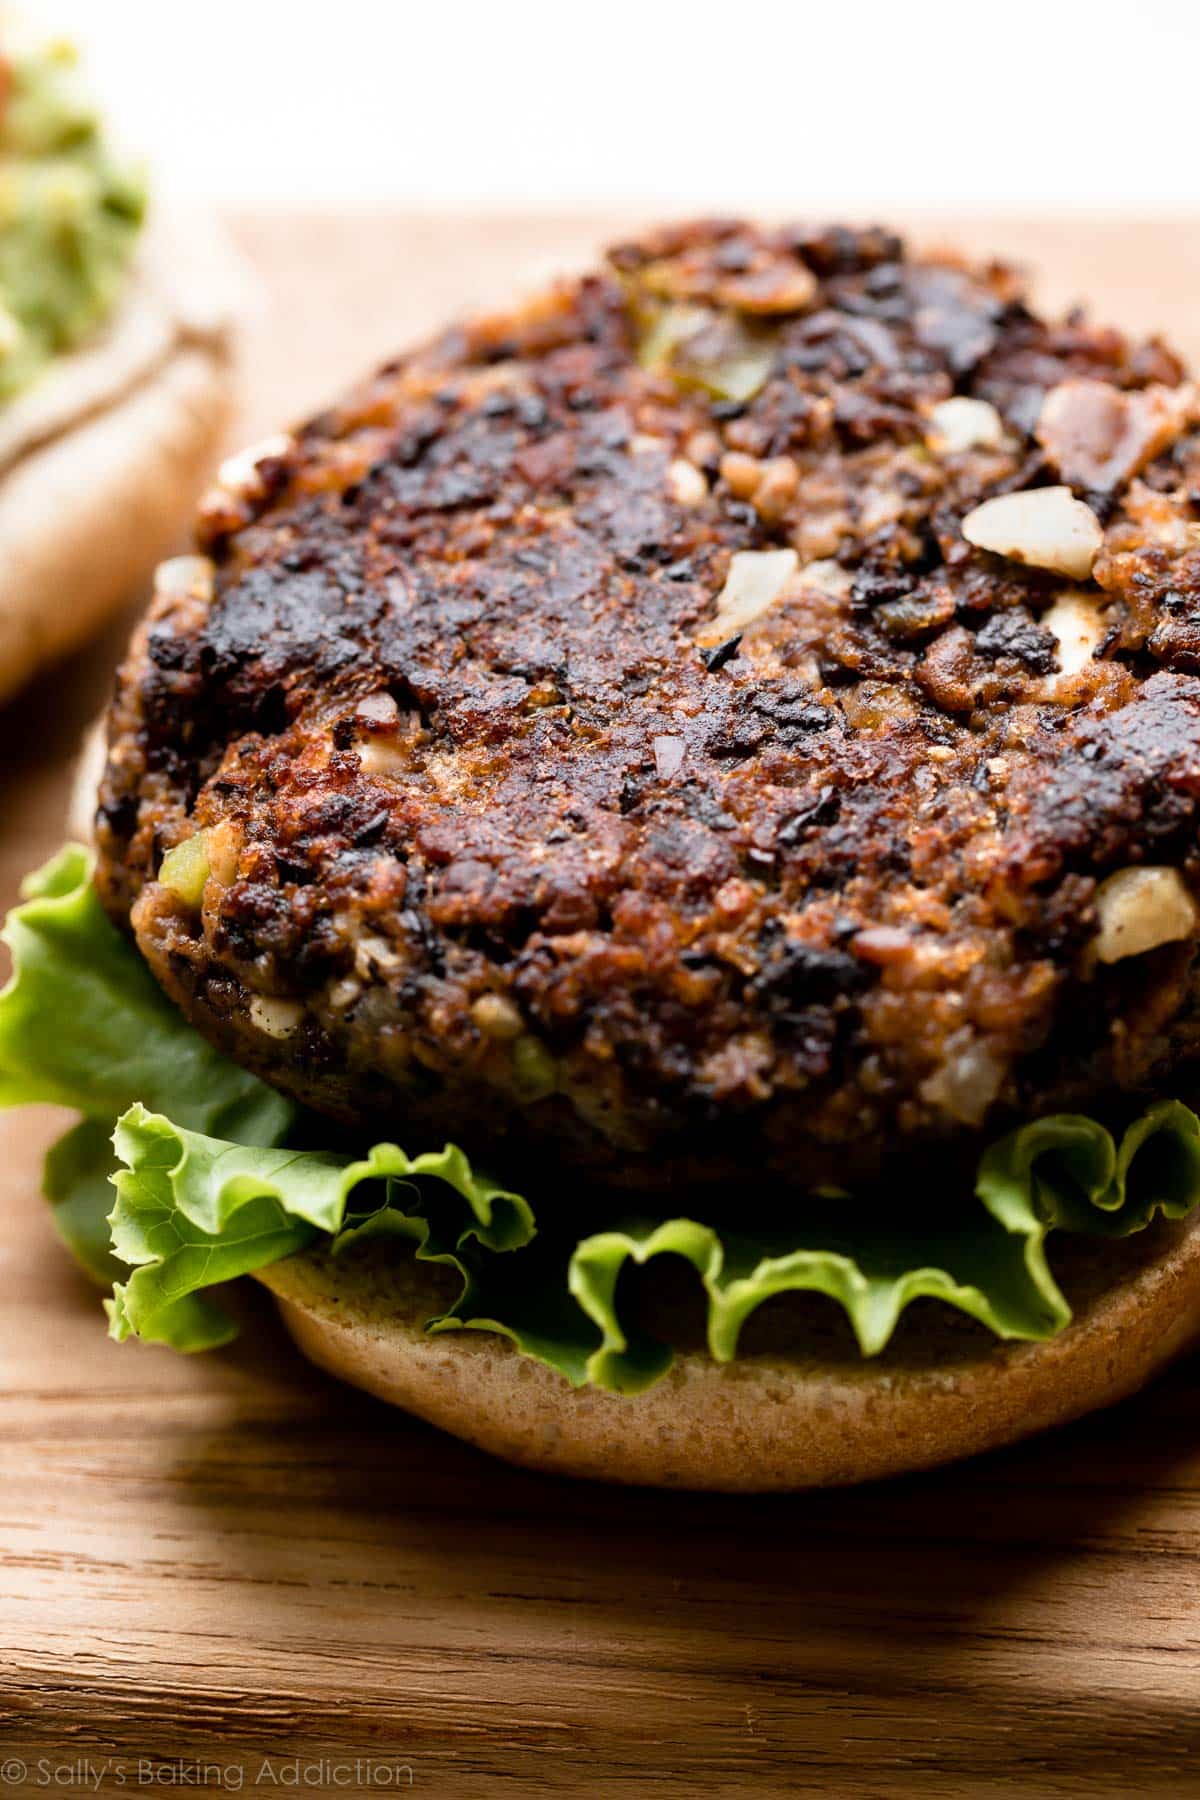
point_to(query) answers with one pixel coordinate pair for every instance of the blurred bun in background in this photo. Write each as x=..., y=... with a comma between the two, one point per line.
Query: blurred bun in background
x=118, y=315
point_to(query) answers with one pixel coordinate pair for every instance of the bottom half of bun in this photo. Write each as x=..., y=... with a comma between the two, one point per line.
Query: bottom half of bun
x=799, y=1407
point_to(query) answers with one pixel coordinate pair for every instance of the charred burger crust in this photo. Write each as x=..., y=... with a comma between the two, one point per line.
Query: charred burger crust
x=509, y=835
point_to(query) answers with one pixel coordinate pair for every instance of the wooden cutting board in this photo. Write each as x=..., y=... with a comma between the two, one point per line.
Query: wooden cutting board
x=212, y=1567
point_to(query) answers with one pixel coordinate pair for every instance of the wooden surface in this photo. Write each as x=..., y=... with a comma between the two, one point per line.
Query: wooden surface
x=208, y=1564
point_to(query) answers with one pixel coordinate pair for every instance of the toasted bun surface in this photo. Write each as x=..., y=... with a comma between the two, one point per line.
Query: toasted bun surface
x=799, y=1409
x=102, y=461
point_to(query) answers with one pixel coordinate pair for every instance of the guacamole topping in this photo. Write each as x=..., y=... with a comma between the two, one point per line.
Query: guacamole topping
x=70, y=214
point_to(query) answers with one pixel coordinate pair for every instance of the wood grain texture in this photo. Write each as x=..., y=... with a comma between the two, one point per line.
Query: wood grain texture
x=229, y=1558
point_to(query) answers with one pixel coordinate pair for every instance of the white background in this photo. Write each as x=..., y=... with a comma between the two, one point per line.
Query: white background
x=1033, y=104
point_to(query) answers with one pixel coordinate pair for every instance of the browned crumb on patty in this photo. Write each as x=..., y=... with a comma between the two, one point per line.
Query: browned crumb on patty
x=622, y=729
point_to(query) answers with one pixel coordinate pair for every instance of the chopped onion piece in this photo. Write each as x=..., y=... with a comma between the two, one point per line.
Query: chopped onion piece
x=668, y=755
x=967, y=1082
x=686, y=482
x=827, y=576
x=377, y=709
x=1139, y=909
x=755, y=581
x=382, y=756
x=497, y=1017
x=185, y=577
x=962, y=424
x=223, y=844
x=276, y=1018
x=1048, y=528
x=239, y=473
x=1077, y=621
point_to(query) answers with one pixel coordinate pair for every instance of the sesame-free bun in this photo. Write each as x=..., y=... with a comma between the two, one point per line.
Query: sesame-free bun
x=798, y=1408
x=102, y=460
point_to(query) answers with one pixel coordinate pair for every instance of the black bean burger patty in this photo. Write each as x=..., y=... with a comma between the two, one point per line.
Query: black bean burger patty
x=622, y=733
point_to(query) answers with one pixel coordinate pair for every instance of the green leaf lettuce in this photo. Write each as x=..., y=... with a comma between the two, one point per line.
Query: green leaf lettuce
x=83, y=1024
x=209, y=1187
x=194, y=1210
